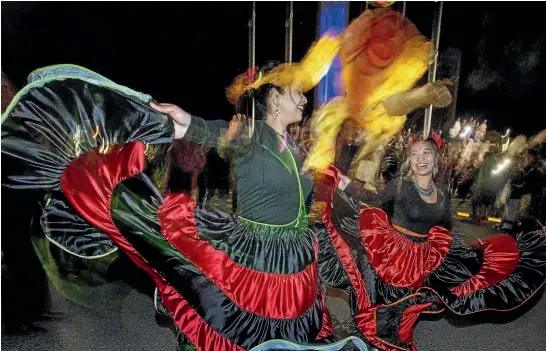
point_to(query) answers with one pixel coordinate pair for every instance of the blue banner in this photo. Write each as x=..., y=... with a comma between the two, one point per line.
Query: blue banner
x=333, y=19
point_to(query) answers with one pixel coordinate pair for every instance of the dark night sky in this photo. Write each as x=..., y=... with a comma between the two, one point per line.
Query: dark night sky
x=187, y=53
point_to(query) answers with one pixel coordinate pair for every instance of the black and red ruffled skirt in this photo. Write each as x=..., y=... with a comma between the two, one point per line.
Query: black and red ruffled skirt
x=392, y=276
x=229, y=284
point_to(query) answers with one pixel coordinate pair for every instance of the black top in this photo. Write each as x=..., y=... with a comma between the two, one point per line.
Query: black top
x=405, y=207
x=267, y=179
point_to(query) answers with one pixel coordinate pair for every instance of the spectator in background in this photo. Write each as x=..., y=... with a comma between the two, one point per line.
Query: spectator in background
x=188, y=161
x=473, y=127
x=534, y=182
x=519, y=186
x=455, y=129
x=481, y=130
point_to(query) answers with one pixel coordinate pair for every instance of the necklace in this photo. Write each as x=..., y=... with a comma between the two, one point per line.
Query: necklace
x=424, y=192
x=286, y=141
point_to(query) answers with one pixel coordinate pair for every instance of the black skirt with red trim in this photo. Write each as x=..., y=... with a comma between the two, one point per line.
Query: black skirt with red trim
x=228, y=283
x=392, y=277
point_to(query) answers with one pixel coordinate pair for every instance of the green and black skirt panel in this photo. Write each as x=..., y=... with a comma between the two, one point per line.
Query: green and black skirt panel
x=228, y=283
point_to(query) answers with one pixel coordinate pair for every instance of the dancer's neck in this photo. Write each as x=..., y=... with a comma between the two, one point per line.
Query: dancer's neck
x=424, y=181
x=276, y=125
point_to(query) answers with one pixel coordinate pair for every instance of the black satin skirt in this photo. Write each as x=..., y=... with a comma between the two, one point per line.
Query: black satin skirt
x=228, y=283
x=393, y=277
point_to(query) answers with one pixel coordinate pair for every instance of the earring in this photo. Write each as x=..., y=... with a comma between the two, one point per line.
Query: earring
x=435, y=170
x=276, y=112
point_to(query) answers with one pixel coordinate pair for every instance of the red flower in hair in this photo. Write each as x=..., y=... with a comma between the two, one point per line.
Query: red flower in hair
x=438, y=139
x=435, y=136
x=251, y=75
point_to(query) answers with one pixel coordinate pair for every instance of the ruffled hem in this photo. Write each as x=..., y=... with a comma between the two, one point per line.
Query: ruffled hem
x=84, y=141
x=364, y=255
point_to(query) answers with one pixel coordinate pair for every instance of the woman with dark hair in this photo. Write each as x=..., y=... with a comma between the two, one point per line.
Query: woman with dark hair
x=401, y=243
x=230, y=281
x=412, y=201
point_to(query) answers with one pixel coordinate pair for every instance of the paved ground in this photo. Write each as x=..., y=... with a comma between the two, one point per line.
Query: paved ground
x=118, y=316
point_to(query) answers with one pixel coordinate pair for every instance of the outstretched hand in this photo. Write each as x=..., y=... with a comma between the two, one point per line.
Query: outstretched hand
x=236, y=126
x=181, y=118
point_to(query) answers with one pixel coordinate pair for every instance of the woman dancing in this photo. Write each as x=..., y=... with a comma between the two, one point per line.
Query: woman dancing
x=230, y=282
x=401, y=251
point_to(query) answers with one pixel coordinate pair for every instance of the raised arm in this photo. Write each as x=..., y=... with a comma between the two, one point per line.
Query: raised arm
x=436, y=94
x=359, y=191
x=197, y=130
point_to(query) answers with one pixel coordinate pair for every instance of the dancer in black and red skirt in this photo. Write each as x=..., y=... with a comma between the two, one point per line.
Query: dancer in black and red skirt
x=236, y=281
x=230, y=282
x=402, y=253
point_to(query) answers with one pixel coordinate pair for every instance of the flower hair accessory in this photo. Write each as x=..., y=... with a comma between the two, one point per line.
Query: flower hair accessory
x=434, y=136
x=438, y=139
x=253, y=75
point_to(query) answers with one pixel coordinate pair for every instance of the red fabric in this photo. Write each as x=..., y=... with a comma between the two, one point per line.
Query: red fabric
x=365, y=317
x=270, y=295
x=344, y=254
x=409, y=318
x=89, y=180
x=396, y=259
x=500, y=258
x=325, y=191
x=326, y=184
x=366, y=320
x=88, y=183
x=190, y=322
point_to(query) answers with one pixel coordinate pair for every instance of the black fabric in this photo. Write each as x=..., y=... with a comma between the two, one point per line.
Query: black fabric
x=134, y=207
x=388, y=320
x=345, y=218
x=331, y=270
x=511, y=292
x=460, y=264
x=283, y=250
x=405, y=207
x=258, y=162
x=52, y=125
x=63, y=225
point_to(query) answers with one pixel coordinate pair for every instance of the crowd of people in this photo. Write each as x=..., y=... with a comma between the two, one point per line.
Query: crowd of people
x=468, y=129
x=475, y=172
x=126, y=172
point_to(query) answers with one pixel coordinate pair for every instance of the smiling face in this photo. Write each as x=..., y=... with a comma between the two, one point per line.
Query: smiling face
x=422, y=158
x=290, y=103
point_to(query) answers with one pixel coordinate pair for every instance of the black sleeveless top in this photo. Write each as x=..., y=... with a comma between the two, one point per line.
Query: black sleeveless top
x=405, y=207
